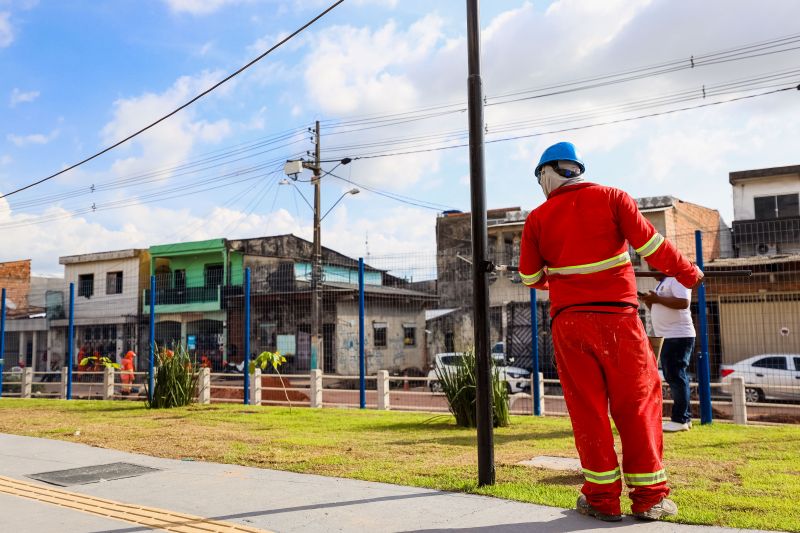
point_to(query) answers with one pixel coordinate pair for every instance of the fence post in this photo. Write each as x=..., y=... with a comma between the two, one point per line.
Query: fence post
x=316, y=387
x=71, y=340
x=537, y=392
x=2, y=339
x=26, y=386
x=703, y=367
x=151, y=377
x=204, y=383
x=247, y=339
x=541, y=396
x=64, y=378
x=362, y=386
x=384, y=400
x=738, y=399
x=255, y=388
x=108, y=383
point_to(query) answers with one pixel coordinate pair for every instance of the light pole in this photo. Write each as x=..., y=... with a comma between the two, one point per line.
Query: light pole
x=293, y=168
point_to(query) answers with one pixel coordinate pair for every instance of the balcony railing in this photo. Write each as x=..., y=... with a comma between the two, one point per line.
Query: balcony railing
x=187, y=295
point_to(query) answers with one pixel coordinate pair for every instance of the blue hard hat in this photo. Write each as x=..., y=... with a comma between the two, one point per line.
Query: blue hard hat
x=562, y=151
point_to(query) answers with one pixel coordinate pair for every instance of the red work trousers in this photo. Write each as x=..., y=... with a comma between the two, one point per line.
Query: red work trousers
x=605, y=360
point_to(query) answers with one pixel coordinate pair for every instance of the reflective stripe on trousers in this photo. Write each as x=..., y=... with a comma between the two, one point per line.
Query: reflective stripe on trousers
x=601, y=478
x=641, y=480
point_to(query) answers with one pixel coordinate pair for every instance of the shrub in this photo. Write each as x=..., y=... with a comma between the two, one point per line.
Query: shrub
x=459, y=386
x=175, y=380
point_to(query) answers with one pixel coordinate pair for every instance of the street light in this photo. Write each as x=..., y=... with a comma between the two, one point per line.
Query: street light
x=354, y=190
x=292, y=169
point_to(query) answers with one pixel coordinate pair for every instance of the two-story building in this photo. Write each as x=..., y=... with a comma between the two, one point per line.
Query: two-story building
x=108, y=288
x=193, y=280
x=761, y=313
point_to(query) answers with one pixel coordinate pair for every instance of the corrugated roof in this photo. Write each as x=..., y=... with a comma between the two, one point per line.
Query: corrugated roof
x=656, y=202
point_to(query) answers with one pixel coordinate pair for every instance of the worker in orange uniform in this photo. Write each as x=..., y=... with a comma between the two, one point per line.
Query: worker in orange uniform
x=576, y=245
x=126, y=375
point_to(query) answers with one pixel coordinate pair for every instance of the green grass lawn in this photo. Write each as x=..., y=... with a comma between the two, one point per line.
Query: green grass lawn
x=721, y=474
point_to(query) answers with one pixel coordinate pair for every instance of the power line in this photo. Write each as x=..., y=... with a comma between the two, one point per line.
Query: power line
x=576, y=128
x=397, y=197
x=187, y=104
x=734, y=54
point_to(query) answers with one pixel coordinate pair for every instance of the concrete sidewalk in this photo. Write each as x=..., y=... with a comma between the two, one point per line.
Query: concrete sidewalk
x=268, y=499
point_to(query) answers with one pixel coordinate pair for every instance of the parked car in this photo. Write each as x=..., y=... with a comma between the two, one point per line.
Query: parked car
x=766, y=377
x=517, y=379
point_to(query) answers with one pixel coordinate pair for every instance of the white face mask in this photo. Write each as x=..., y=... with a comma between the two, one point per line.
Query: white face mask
x=550, y=180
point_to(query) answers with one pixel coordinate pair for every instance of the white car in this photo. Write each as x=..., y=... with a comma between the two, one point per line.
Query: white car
x=516, y=378
x=766, y=377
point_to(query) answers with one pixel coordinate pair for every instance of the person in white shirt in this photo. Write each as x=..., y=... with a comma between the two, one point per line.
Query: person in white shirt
x=671, y=319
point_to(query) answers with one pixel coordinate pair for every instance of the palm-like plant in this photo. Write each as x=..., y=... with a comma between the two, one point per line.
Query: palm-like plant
x=460, y=387
x=175, y=380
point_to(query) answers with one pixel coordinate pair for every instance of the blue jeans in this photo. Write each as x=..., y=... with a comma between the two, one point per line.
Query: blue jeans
x=675, y=354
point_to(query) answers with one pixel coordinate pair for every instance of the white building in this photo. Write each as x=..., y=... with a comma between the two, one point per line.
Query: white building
x=108, y=301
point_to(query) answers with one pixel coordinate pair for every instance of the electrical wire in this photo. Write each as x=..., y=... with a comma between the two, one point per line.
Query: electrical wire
x=737, y=53
x=576, y=128
x=396, y=197
x=181, y=107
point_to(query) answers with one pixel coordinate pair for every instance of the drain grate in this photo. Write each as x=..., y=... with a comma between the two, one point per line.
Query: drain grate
x=92, y=474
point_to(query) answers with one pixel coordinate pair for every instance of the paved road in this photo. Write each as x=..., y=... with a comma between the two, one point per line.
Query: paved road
x=265, y=499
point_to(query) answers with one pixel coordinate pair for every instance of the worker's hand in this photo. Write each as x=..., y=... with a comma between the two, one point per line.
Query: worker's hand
x=649, y=299
x=700, y=277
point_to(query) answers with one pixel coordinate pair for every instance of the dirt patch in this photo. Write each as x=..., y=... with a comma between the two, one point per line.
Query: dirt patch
x=267, y=394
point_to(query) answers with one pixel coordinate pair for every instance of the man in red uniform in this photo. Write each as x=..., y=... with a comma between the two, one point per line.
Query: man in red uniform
x=576, y=245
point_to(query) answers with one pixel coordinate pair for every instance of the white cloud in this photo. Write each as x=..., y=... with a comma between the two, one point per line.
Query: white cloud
x=171, y=141
x=199, y=7
x=18, y=97
x=5, y=159
x=34, y=138
x=6, y=31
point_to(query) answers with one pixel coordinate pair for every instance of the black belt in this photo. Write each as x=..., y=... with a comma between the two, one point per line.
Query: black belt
x=594, y=304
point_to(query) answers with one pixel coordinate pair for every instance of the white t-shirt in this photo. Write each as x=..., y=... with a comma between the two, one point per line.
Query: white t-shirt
x=672, y=323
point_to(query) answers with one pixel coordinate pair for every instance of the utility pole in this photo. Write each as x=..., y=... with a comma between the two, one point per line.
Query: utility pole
x=316, y=265
x=480, y=263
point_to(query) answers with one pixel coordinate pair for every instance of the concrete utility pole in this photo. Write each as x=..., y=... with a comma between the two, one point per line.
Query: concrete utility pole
x=481, y=266
x=316, y=265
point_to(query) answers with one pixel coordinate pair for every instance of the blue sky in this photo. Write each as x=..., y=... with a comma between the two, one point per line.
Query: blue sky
x=77, y=76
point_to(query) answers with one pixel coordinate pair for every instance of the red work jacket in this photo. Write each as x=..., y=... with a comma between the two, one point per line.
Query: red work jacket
x=576, y=245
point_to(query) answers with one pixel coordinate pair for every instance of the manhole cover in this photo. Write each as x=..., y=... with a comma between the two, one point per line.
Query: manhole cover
x=92, y=474
x=554, y=463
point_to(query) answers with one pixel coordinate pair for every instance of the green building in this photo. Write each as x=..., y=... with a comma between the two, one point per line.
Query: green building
x=193, y=280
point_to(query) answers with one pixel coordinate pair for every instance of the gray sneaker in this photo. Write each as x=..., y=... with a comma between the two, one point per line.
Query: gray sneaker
x=583, y=507
x=664, y=508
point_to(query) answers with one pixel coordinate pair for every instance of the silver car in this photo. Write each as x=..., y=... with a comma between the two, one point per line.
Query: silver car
x=766, y=377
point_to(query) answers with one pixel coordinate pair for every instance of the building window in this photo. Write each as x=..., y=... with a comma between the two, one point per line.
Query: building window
x=409, y=335
x=86, y=285
x=379, y=334
x=779, y=206
x=213, y=275
x=114, y=283
x=449, y=342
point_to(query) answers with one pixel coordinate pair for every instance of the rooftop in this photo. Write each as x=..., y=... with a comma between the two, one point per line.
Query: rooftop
x=760, y=173
x=100, y=256
x=755, y=260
